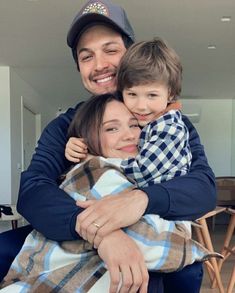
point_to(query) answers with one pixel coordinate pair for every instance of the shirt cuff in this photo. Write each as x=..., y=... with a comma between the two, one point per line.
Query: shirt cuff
x=159, y=200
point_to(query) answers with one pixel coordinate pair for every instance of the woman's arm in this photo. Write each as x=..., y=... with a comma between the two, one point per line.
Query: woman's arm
x=186, y=197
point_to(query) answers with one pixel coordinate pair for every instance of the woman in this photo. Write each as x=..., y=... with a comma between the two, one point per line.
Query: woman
x=111, y=131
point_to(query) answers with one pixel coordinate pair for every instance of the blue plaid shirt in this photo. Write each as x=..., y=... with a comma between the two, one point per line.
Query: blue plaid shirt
x=164, y=151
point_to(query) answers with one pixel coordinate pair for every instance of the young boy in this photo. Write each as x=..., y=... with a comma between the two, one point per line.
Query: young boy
x=149, y=78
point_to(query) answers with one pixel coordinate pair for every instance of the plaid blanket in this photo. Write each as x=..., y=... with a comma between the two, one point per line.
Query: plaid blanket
x=45, y=266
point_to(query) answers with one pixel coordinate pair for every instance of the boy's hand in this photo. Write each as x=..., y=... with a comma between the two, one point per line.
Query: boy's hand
x=75, y=149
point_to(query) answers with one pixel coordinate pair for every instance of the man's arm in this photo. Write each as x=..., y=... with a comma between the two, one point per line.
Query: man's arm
x=185, y=197
x=49, y=209
x=182, y=198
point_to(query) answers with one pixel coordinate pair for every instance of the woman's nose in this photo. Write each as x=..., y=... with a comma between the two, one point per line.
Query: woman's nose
x=128, y=134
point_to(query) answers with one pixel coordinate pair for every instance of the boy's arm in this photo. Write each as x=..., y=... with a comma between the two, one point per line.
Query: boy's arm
x=44, y=205
x=185, y=197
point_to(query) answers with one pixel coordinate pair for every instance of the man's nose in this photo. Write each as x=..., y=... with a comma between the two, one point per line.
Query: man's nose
x=101, y=63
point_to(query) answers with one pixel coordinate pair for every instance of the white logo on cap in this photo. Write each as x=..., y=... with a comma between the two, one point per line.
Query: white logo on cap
x=96, y=7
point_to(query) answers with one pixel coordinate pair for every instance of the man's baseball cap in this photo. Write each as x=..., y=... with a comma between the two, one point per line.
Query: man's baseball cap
x=98, y=12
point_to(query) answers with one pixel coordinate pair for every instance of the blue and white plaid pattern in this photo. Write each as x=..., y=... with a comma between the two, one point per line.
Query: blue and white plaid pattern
x=164, y=151
x=74, y=266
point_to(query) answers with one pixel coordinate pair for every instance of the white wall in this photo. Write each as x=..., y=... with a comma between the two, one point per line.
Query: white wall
x=35, y=102
x=215, y=130
x=233, y=138
x=5, y=124
x=12, y=88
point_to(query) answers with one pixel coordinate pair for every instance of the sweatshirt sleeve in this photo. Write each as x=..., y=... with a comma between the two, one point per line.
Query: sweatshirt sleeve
x=41, y=202
x=185, y=197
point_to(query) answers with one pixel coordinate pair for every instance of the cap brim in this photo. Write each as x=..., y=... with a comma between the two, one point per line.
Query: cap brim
x=86, y=21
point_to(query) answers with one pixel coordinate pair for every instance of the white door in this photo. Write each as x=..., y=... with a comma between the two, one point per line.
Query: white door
x=29, y=136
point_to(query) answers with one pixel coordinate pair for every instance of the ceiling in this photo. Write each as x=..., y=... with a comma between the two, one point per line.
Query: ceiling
x=33, y=42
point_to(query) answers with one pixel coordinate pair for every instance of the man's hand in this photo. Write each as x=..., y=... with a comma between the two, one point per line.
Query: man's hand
x=110, y=213
x=124, y=262
x=75, y=149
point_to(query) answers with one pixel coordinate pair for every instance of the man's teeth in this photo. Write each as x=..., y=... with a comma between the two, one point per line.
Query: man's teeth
x=104, y=79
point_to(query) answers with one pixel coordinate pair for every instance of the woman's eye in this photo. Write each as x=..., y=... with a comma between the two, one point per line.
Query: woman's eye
x=135, y=125
x=110, y=129
x=131, y=94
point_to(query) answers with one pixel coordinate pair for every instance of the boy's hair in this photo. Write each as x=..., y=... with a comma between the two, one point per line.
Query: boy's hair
x=88, y=120
x=150, y=61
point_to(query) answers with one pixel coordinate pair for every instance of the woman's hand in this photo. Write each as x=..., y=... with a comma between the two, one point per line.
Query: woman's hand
x=75, y=149
x=124, y=262
x=110, y=213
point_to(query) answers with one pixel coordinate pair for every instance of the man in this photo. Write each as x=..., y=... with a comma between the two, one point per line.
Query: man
x=98, y=37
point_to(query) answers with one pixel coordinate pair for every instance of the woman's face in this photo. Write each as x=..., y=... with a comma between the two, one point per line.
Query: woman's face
x=119, y=133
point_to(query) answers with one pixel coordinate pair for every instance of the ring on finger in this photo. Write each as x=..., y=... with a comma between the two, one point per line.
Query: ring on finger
x=96, y=225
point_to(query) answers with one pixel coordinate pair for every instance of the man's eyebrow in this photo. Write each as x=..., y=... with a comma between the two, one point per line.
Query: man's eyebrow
x=110, y=43
x=83, y=50
x=103, y=46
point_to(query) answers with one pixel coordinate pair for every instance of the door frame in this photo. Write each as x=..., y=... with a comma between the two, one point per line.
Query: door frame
x=23, y=104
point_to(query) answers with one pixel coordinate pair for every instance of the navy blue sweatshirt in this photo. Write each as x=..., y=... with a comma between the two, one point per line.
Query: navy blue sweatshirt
x=53, y=213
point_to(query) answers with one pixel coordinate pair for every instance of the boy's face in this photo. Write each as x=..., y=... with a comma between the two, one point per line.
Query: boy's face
x=99, y=52
x=147, y=101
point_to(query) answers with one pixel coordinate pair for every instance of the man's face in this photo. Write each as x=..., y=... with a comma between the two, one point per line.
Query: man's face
x=99, y=52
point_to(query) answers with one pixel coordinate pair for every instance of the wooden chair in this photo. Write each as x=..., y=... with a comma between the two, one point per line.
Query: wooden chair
x=225, y=186
x=228, y=249
x=225, y=203
x=204, y=238
x=226, y=197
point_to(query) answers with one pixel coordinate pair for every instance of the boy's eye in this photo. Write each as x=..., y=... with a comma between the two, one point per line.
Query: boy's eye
x=153, y=96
